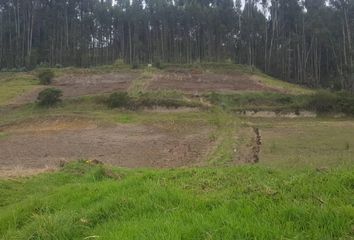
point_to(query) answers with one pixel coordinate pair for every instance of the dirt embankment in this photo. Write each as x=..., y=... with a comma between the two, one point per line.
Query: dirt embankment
x=250, y=145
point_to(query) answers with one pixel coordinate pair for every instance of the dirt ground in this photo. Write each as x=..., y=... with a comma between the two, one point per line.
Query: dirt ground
x=189, y=81
x=83, y=84
x=194, y=82
x=45, y=144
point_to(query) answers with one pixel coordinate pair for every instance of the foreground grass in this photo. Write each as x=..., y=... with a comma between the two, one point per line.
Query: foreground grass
x=83, y=201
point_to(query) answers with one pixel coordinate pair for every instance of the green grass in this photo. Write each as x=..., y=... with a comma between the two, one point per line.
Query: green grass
x=289, y=88
x=140, y=84
x=322, y=102
x=14, y=84
x=306, y=143
x=225, y=136
x=92, y=107
x=258, y=101
x=3, y=136
x=92, y=70
x=223, y=203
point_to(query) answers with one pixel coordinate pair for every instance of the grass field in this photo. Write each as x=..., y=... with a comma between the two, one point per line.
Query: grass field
x=301, y=188
x=307, y=143
x=86, y=202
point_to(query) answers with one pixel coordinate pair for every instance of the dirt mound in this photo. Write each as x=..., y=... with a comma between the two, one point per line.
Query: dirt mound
x=45, y=145
x=194, y=81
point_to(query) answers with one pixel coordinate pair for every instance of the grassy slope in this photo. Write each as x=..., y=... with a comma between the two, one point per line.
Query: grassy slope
x=14, y=84
x=234, y=203
x=286, y=86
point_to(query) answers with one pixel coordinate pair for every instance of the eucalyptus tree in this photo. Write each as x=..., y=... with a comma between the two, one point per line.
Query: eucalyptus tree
x=304, y=41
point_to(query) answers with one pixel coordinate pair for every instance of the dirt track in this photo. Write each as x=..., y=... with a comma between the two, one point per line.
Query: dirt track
x=41, y=145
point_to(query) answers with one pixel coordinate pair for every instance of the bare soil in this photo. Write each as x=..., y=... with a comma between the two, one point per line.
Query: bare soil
x=75, y=85
x=195, y=81
x=45, y=144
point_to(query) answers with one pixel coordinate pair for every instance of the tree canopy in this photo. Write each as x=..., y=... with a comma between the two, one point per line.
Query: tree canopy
x=303, y=41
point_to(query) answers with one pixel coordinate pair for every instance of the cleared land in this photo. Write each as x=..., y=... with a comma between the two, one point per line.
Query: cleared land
x=206, y=172
x=47, y=143
x=198, y=81
x=83, y=84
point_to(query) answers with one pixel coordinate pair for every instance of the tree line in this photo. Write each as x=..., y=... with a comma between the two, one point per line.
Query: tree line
x=303, y=41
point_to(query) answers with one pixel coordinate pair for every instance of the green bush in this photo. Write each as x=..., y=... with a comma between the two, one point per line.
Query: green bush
x=323, y=102
x=148, y=100
x=119, y=62
x=46, y=76
x=135, y=66
x=327, y=102
x=49, y=97
x=345, y=103
x=157, y=63
x=118, y=99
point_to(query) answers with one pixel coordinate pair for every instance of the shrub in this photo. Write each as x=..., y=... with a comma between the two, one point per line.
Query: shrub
x=49, y=97
x=148, y=100
x=345, y=103
x=157, y=63
x=135, y=66
x=46, y=76
x=43, y=65
x=119, y=62
x=323, y=102
x=119, y=99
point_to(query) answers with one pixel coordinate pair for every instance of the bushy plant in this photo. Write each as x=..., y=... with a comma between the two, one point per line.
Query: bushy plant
x=157, y=63
x=119, y=62
x=145, y=100
x=46, y=76
x=118, y=99
x=325, y=102
x=345, y=103
x=49, y=97
x=135, y=65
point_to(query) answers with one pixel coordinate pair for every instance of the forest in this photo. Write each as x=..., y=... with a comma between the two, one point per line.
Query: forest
x=307, y=42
